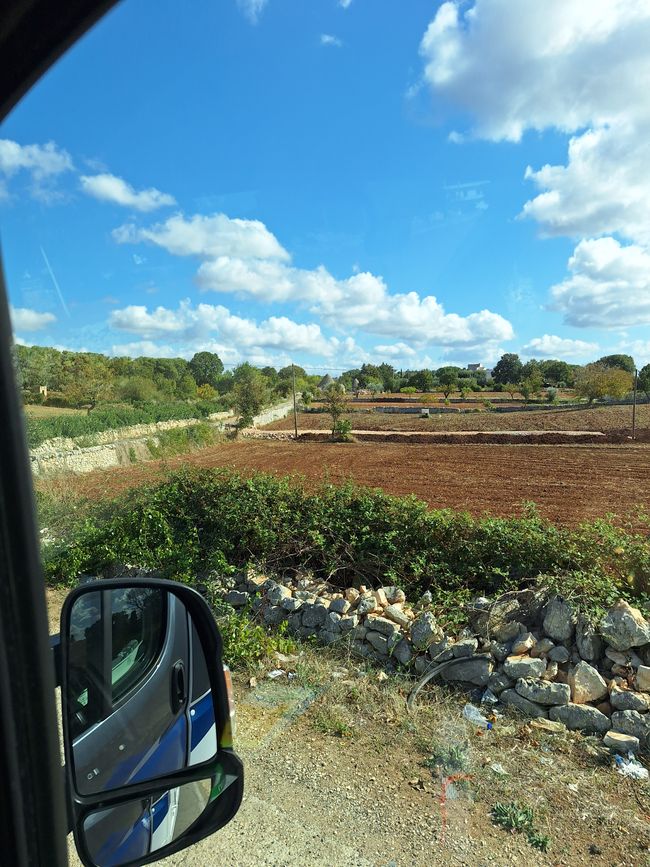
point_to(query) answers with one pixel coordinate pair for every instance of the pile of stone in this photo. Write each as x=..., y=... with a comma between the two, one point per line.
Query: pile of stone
x=529, y=649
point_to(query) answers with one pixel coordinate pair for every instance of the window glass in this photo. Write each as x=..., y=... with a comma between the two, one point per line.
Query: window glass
x=138, y=630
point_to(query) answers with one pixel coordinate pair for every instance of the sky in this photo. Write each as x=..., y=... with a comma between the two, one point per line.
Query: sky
x=336, y=182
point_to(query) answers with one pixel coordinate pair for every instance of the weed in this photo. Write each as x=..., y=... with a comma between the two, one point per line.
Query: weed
x=331, y=721
x=517, y=819
x=452, y=759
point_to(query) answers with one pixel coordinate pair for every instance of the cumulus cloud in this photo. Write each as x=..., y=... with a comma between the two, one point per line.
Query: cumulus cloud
x=528, y=65
x=207, y=236
x=138, y=348
x=110, y=188
x=42, y=163
x=24, y=319
x=395, y=351
x=609, y=285
x=252, y=9
x=243, y=257
x=188, y=323
x=328, y=39
x=552, y=346
x=581, y=67
x=604, y=188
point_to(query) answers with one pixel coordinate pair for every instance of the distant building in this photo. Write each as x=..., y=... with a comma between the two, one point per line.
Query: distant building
x=325, y=382
x=475, y=367
x=42, y=389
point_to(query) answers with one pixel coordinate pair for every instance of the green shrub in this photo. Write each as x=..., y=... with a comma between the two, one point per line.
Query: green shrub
x=342, y=430
x=199, y=519
x=114, y=416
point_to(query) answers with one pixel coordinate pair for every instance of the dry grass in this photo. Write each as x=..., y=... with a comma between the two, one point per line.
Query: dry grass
x=37, y=411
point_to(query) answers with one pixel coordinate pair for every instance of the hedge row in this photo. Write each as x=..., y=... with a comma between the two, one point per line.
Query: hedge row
x=108, y=417
x=198, y=520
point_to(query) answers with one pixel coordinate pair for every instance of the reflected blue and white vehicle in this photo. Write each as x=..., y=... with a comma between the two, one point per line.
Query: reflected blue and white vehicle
x=146, y=714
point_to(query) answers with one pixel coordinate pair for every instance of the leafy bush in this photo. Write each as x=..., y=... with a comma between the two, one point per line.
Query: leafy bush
x=202, y=519
x=114, y=416
x=342, y=430
x=246, y=643
x=408, y=389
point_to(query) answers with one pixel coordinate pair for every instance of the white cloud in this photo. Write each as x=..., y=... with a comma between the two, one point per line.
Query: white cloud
x=192, y=324
x=143, y=347
x=110, y=188
x=552, y=346
x=609, y=286
x=604, y=188
x=212, y=236
x=395, y=351
x=243, y=257
x=252, y=9
x=24, y=319
x=529, y=65
x=41, y=161
x=639, y=350
x=329, y=39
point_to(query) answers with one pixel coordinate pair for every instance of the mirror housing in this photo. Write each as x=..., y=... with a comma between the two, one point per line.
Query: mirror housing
x=147, y=727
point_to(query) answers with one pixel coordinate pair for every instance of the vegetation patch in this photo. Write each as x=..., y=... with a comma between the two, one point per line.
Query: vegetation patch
x=201, y=520
x=519, y=820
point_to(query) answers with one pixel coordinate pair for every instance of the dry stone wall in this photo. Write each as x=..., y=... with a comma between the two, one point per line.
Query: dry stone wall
x=527, y=650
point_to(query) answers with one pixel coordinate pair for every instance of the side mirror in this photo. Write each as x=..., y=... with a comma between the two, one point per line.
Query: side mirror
x=147, y=722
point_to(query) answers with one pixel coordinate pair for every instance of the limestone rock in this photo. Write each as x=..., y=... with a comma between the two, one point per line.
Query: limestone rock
x=542, y=692
x=366, y=604
x=380, y=597
x=313, y=615
x=559, y=622
x=499, y=650
x=341, y=606
x=395, y=613
x=551, y=672
x=273, y=615
x=237, y=599
x=524, y=666
x=627, y=699
x=465, y=647
x=590, y=644
x=631, y=722
x=440, y=651
x=402, y=651
x=509, y=631
x=541, y=648
x=624, y=627
x=291, y=604
x=380, y=624
x=348, y=623
x=512, y=698
x=523, y=644
x=586, y=684
x=378, y=641
x=394, y=594
x=424, y=631
x=422, y=664
x=559, y=654
x=580, y=717
x=474, y=669
x=352, y=595
x=621, y=743
x=275, y=593
x=498, y=681
x=642, y=679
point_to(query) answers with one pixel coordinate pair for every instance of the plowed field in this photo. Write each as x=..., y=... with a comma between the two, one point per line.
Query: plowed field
x=603, y=418
x=569, y=483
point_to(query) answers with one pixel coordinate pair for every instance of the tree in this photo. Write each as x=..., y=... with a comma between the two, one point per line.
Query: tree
x=508, y=369
x=595, y=381
x=644, y=380
x=207, y=392
x=335, y=402
x=531, y=385
x=249, y=393
x=206, y=368
x=448, y=380
x=512, y=388
x=556, y=372
x=531, y=368
x=619, y=362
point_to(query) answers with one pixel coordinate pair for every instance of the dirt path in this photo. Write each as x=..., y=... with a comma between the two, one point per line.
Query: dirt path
x=569, y=483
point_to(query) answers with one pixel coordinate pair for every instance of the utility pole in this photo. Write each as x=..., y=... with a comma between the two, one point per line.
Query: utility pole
x=295, y=413
x=636, y=380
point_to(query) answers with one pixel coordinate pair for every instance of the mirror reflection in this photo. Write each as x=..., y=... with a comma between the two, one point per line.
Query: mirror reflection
x=131, y=831
x=138, y=695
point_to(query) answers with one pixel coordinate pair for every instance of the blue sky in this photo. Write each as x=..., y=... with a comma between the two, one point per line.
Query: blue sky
x=337, y=182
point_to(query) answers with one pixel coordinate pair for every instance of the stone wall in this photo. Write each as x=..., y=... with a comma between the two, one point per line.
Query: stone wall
x=529, y=650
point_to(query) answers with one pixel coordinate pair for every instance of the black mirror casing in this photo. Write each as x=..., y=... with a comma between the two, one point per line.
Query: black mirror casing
x=224, y=770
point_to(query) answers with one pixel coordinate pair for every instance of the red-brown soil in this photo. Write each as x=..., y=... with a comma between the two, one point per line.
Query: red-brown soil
x=569, y=483
x=603, y=418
